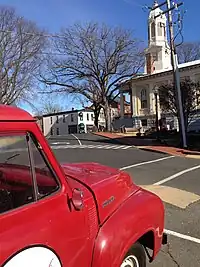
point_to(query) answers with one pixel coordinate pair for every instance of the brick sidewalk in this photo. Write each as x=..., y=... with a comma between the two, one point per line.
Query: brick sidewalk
x=149, y=145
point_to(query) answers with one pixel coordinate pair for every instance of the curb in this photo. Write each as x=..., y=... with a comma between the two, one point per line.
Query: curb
x=187, y=154
x=154, y=150
x=195, y=153
x=116, y=140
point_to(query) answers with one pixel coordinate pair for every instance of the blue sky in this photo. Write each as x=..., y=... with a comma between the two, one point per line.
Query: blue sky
x=55, y=14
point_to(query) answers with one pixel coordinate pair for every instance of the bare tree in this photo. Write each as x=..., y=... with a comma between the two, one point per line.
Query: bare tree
x=48, y=104
x=21, y=43
x=188, y=51
x=97, y=57
x=190, y=98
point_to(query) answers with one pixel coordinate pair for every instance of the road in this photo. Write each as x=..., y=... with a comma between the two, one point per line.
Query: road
x=174, y=179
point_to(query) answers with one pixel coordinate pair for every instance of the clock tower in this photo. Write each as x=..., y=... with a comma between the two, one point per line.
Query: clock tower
x=157, y=54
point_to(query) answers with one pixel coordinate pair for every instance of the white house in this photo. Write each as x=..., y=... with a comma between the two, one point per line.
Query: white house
x=67, y=122
x=158, y=70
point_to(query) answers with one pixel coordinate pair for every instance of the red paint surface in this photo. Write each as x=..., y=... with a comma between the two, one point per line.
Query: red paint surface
x=108, y=231
x=110, y=186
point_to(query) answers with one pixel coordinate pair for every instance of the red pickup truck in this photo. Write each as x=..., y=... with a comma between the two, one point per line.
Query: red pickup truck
x=81, y=214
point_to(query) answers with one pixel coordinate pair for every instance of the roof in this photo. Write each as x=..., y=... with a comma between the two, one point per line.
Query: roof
x=183, y=66
x=67, y=112
x=188, y=64
x=10, y=113
x=137, y=75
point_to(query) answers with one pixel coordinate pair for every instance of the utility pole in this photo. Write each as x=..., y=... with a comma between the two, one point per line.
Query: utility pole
x=174, y=61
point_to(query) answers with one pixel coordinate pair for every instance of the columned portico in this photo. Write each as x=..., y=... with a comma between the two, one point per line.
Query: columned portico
x=157, y=71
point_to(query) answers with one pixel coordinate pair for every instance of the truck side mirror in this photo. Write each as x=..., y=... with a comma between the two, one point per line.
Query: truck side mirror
x=77, y=199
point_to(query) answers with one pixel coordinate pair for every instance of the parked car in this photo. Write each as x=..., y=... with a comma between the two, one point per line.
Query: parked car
x=194, y=126
x=80, y=214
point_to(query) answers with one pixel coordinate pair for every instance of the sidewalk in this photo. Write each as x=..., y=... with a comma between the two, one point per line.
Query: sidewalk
x=149, y=145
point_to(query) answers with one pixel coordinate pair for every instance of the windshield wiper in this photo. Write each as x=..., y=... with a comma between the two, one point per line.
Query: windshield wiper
x=12, y=157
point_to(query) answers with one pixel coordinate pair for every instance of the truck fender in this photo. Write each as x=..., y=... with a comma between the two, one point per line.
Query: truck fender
x=34, y=256
x=141, y=214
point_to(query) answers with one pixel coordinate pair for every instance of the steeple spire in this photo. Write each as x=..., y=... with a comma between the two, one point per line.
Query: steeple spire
x=157, y=53
x=155, y=3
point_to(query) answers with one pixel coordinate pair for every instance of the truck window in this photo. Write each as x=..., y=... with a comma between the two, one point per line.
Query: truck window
x=16, y=184
x=45, y=178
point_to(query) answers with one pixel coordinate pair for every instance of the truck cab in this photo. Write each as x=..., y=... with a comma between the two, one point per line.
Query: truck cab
x=58, y=214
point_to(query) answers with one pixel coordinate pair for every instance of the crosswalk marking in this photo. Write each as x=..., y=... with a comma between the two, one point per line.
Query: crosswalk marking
x=118, y=147
x=98, y=146
x=108, y=147
x=126, y=147
x=115, y=147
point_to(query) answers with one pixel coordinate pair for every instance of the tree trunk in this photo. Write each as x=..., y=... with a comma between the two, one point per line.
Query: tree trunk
x=96, y=117
x=107, y=114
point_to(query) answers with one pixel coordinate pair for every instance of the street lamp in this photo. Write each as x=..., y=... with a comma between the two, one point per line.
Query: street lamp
x=155, y=91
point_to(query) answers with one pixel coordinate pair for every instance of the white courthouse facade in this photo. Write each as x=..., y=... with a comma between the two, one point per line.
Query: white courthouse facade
x=157, y=71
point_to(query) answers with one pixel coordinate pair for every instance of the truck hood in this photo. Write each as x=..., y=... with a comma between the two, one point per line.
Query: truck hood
x=110, y=186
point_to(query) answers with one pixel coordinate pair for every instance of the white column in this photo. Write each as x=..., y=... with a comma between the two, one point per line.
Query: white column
x=151, y=99
x=121, y=105
x=159, y=109
x=134, y=100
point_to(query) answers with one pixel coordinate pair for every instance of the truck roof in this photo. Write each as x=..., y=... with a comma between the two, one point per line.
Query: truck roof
x=10, y=113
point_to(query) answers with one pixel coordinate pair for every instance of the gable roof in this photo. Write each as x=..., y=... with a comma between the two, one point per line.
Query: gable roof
x=182, y=67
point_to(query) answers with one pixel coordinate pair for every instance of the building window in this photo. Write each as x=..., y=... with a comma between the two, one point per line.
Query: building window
x=144, y=122
x=72, y=117
x=51, y=120
x=92, y=117
x=153, y=30
x=81, y=116
x=160, y=29
x=57, y=131
x=51, y=131
x=88, y=118
x=56, y=119
x=144, y=98
x=144, y=104
x=149, y=34
x=155, y=57
x=63, y=118
x=102, y=115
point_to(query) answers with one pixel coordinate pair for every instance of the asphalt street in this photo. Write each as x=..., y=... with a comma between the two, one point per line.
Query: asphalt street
x=175, y=179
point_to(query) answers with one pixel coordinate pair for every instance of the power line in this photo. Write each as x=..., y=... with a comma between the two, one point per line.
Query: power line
x=36, y=34
x=179, y=22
